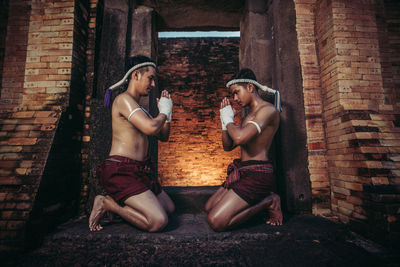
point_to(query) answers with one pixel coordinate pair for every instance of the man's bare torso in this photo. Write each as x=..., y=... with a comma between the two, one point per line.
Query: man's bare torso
x=258, y=147
x=127, y=140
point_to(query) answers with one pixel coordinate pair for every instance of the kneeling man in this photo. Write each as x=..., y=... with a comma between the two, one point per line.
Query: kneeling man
x=250, y=183
x=127, y=174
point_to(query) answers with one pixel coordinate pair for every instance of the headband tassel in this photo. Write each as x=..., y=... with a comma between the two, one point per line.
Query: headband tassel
x=276, y=93
x=108, y=98
x=108, y=95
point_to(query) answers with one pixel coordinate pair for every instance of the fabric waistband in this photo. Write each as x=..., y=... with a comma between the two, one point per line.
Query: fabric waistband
x=127, y=160
x=239, y=162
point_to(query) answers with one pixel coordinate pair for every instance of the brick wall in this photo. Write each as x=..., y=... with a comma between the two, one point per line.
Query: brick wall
x=3, y=31
x=195, y=71
x=41, y=97
x=385, y=193
x=93, y=27
x=361, y=137
x=14, y=135
x=15, y=54
x=316, y=143
x=347, y=52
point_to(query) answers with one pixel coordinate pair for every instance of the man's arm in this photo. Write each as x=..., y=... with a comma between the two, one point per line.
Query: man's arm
x=240, y=135
x=163, y=135
x=148, y=126
x=227, y=142
x=164, y=105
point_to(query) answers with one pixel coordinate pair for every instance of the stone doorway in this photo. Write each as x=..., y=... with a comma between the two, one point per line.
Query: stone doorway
x=268, y=45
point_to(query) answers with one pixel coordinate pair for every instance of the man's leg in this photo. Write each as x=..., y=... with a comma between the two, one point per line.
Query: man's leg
x=271, y=203
x=232, y=210
x=221, y=215
x=142, y=210
x=166, y=202
x=215, y=198
x=97, y=213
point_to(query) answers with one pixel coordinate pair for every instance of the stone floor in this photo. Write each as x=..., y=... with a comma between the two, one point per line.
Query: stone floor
x=303, y=240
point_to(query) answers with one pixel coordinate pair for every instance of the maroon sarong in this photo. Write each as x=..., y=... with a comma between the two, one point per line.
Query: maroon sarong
x=127, y=177
x=252, y=180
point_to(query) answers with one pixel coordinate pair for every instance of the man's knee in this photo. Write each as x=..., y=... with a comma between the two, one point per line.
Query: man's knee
x=157, y=223
x=207, y=207
x=171, y=208
x=216, y=223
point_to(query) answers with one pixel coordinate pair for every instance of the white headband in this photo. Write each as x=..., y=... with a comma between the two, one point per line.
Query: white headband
x=108, y=94
x=262, y=87
x=124, y=80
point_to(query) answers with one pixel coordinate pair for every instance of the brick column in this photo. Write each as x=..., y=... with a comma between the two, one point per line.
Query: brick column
x=94, y=6
x=361, y=134
x=38, y=90
x=316, y=144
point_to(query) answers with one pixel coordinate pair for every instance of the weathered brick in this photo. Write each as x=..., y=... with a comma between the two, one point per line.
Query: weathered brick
x=23, y=114
x=22, y=141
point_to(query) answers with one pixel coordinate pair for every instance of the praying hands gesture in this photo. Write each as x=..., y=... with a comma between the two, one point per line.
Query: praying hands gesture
x=164, y=104
x=226, y=113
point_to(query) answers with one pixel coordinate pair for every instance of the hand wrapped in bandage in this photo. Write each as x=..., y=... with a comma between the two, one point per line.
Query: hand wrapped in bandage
x=226, y=114
x=165, y=105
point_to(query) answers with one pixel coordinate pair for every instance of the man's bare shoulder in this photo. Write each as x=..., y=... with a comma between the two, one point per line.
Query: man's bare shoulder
x=267, y=109
x=267, y=114
x=124, y=100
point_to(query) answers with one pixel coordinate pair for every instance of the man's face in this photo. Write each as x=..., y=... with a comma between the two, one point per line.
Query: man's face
x=147, y=81
x=240, y=94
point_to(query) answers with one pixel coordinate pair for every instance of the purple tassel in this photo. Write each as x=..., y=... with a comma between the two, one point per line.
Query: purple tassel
x=107, y=98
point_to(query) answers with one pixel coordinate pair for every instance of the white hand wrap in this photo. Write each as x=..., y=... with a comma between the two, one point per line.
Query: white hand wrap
x=165, y=106
x=226, y=115
x=223, y=125
x=169, y=118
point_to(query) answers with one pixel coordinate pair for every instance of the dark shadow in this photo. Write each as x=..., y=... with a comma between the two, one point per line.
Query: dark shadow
x=58, y=195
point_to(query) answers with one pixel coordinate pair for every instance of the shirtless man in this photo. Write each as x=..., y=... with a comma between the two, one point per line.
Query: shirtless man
x=250, y=183
x=126, y=175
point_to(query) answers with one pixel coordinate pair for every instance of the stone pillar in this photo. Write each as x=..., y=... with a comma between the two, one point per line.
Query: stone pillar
x=255, y=41
x=268, y=46
x=110, y=63
x=143, y=41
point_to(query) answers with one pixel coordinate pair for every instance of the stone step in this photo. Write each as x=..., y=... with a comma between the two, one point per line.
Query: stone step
x=303, y=240
x=190, y=199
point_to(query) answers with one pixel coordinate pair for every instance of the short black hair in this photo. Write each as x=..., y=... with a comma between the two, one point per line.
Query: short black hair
x=244, y=74
x=132, y=61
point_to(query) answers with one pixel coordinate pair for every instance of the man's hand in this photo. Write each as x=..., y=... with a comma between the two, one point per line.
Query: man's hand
x=164, y=104
x=226, y=113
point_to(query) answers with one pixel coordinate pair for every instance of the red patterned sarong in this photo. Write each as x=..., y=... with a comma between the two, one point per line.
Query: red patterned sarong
x=252, y=180
x=127, y=177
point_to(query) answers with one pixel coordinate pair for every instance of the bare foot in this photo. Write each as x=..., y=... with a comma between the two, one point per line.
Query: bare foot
x=275, y=213
x=97, y=213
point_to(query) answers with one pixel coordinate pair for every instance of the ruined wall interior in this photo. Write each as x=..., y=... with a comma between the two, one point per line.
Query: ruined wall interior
x=195, y=71
x=350, y=77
